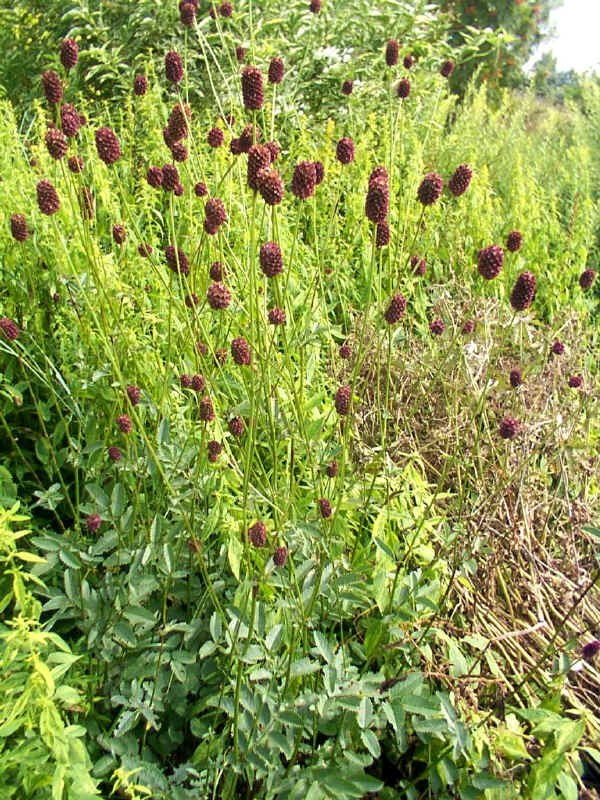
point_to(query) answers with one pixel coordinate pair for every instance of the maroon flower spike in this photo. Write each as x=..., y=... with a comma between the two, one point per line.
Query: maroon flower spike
x=119, y=234
x=215, y=137
x=18, y=227
x=304, y=179
x=202, y=348
x=403, y=88
x=515, y=378
x=319, y=172
x=378, y=173
x=514, y=241
x=236, y=426
x=56, y=143
x=270, y=187
x=114, y=454
x=52, y=86
x=210, y=227
x=200, y=189
x=187, y=14
x=107, y=145
x=332, y=469
x=314, y=6
x=342, y=400
x=240, y=350
x=69, y=53
x=140, y=85
x=259, y=159
x=587, y=278
x=280, y=556
x=86, y=202
x=273, y=149
x=460, y=180
x=249, y=136
x=557, y=348
x=489, y=261
x=134, y=394
x=177, y=126
x=257, y=534
x=347, y=87
x=382, y=237
x=325, y=507
x=408, y=61
x=75, y=164
x=180, y=153
x=9, y=328
x=170, y=177
x=276, y=70
x=185, y=381
x=345, y=352
x=277, y=316
x=124, y=423
x=468, y=326
x=447, y=68
x=509, y=427
x=590, y=650
x=419, y=265
x=391, y=52
x=93, y=522
x=221, y=356
x=437, y=327
x=575, y=381
x=225, y=9
x=240, y=54
x=523, y=291
x=154, y=176
x=430, y=189
x=252, y=88
x=69, y=120
x=271, y=260
x=376, y=202
x=214, y=450
x=218, y=296
x=345, y=150
x=47, y=198
x=145, y=250
x=205, y=409
x=214, y=211
x=191, y=300
x=216, y=271
x=173, y=67
x=396, y=309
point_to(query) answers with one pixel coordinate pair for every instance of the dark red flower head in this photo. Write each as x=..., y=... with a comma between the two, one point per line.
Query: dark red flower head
x=590, y=650
x=273, y=149
x=332, y=469
x=145, y=250
x=345, y=150
x=270, y=186
x=93, y=522
x=9, y=328
x=345, y=352
x=319, y=172
x=489, y=261
x=515, y=378
x=257, y=534
x=508, y=428
x=382, y=237
x=205, y=409
x=575, y=381
x=70, y=120
x=177, y=126
x=200, y=189
x=240, y=351
x=403, y=88
x=419, y=265
x=52, y=86
x=173, y=66
x=114, y=454
x=342, y=400
x=271, y=260
x=154, y=176
x=259, y=159
x=437, y=327
x=225, y=9
x=252, y=88
x=214, y=450
x=56, y=143
x=523, y=291
x=107, y=145
x=468, y=326
x=587, y=278
x=314, y=6
x=377, y=200
x=391, y=52
x=187, y=14
x=347, y=87
x=430, y=189
x=69, y=53
x=18, y=227
x=124, y=423
x=236, y=426
x=119, y=234
x=191, y=300
x=218, y=296
x=447, y=68
x=280, y=556
x=557, y=348
x=47, y=198
x=460, y=180
x=216, y=271
x=277, y=316
x=215, y=137
x=276, y=70
x=304, y=179
x=134, y=394
x=140, y=85
x=249, y=136
x=514, y=241
x=170, y=177
x=185, y=381
x=75, y=164
x=177, y=260
x=325, y=507
x=214, y=211
x=408, y=61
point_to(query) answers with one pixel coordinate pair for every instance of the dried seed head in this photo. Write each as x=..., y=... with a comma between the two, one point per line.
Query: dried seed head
x=304, y=179
x=257, y=534
x=240, y=351
x=391, y=52
x=69, y=53
x=252, y=88
x=396, y=309
x=489, y=261
x=173, y=67
x=342, y=400
x=119, y=234
x=345, y=150
x=56, y=143
x=403, y=88
x=52, y=86
x=140, y=85
x=587, y=278
x=276, y=70
x=460, y=180
x=523, y=291
x=508, y=428
x=277, y=316
x=430, y=189
x=218, y=296
x=107, y=145
x=271, y=260
x=18, y=227
x=47, y=198
x=124, y=423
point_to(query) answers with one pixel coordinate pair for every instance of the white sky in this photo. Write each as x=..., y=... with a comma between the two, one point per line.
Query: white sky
x=577, y=41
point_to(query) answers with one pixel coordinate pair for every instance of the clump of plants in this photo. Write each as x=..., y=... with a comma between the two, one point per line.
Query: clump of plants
x=305, y=415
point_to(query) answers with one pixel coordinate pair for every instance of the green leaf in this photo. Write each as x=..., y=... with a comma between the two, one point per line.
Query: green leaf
x=370, y=742
x=323, y=647
x=235, y=551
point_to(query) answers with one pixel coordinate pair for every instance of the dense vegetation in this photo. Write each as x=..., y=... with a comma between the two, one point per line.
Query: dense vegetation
x=299, y=454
